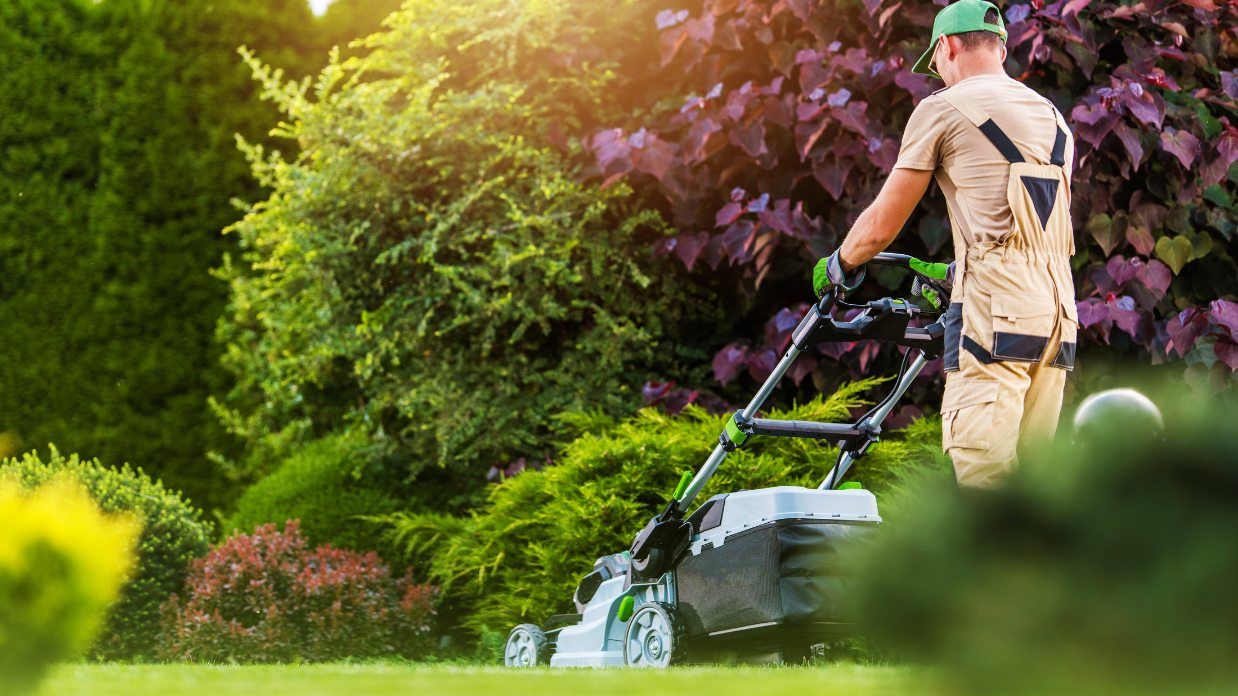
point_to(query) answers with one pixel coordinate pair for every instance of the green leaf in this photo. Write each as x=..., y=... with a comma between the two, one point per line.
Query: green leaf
x=1175, y=251
x=1218, y=195
x=1201, y=245
x=1212, y=127
x=1101, y=228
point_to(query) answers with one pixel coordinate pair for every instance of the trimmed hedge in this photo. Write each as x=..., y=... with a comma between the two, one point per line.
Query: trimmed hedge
x=325, y=485
x=173, y=534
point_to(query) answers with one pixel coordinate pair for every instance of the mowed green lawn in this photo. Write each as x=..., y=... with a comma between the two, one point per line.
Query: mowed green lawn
x=408, y=679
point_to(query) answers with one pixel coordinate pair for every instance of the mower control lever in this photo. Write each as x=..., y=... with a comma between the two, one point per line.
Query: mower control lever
x=881, y=320
x=659, y=546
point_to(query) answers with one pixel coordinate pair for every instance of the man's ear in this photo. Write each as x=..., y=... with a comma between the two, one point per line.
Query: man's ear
x=1002, y=48
x=953, y=46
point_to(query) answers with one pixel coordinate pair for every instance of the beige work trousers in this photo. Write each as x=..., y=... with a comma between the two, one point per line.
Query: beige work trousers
x=1016, y=329
x=987, y=424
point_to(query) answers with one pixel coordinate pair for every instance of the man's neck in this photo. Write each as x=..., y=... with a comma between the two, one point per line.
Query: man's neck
x=979, y=63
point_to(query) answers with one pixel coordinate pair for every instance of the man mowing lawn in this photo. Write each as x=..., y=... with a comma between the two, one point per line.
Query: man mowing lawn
x=1002, y=155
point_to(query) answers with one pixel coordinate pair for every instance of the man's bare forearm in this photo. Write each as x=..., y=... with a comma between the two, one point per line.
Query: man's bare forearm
x=881, y=222
x=869, y=236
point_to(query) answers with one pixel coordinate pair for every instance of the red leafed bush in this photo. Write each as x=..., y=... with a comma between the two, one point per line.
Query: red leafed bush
x=796, y=115
x=268, y=597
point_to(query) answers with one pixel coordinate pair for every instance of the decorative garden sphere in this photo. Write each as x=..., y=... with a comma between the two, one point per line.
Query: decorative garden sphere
x=1118, y=412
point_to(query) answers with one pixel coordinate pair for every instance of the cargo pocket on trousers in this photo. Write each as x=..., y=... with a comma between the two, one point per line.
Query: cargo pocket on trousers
x=1065, y=356
x=967, y=413
x=1021, y=327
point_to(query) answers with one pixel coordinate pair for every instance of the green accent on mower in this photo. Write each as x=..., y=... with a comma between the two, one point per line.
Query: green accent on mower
x=683, y=485
x=733, y=433
x=851, y=486
x=627, y=606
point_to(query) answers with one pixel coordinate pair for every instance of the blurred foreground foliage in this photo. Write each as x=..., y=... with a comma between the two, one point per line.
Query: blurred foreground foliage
x=518, y=557
x=1103, y=567
x=173, y=534
x=62, y=564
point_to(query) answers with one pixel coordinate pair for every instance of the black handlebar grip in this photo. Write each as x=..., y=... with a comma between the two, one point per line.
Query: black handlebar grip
x=888, y=259
x=826, y=303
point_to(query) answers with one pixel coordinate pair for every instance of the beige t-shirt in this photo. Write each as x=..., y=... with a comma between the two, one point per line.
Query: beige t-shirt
x=972, y=173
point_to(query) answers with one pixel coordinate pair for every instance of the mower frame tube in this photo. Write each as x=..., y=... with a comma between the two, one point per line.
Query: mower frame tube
x=847, y=457
x=720, y=452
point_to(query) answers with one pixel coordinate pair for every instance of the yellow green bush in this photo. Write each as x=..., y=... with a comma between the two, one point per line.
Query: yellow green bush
x=62, y=563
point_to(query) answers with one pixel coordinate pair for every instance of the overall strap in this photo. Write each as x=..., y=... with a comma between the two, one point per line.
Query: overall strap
x=999, y=138
x=986, y=125
x=1058, y=156
x=1059, y=148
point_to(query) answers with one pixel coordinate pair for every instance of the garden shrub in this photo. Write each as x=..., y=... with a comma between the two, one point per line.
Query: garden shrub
x=429, y=270
x=269, y=597
x=62, y=564
x=327, y=485
x=518, y=557
x=173, y=534
x=1103, y=566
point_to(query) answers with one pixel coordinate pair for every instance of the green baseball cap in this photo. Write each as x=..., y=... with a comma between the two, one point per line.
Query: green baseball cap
x=959, y=18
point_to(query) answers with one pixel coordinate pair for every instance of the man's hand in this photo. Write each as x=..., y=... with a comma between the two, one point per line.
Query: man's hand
x=880, y=223
x=933, y=280
x=829, y=273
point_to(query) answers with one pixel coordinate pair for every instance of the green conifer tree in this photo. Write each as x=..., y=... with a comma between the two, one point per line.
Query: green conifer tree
x=47, y=174
x=124, y=116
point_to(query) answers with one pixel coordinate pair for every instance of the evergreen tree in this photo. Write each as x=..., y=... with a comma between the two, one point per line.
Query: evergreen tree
x=124, y=114
x=47, y=173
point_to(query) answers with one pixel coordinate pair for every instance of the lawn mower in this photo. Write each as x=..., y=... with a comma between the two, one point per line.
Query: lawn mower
x=750, y=573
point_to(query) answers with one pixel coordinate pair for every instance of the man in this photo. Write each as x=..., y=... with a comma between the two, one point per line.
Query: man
x=1002, y=156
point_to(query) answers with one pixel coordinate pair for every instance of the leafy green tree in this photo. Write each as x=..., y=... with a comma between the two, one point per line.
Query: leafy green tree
x=429, y=270
x=347, y=20
x=47, y=175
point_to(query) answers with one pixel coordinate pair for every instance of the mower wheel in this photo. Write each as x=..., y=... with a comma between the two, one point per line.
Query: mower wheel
x=527, y=646
x=654, y=637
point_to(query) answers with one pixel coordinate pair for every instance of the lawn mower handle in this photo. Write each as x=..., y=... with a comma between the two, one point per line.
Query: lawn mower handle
x=886, y=258
x=658, y=547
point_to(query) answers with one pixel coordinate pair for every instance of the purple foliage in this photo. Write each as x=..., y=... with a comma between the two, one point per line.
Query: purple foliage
x=797, y=115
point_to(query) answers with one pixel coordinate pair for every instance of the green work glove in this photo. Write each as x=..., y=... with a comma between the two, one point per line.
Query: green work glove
x=933, y=280
x=936, y=271
x=829, y=273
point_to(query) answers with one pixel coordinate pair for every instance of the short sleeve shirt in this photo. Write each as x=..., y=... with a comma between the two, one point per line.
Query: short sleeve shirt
x=971, y=172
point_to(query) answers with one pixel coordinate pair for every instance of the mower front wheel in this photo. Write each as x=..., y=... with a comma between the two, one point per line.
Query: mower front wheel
x=654, y=637
x=527, y=646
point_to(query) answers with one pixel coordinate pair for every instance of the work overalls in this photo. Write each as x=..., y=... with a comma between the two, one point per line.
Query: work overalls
x=1010, y=331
